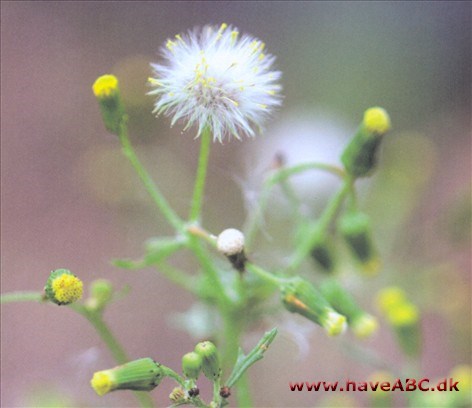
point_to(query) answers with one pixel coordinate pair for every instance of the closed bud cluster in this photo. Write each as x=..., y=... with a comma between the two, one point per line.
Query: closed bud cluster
x=356, y=229
x=210, y=359
x=63, y=287
x=139, y=375
x=300, y=296
x=107, y=92
x=360, y=155
x=403, y=316
x=192, y=365
x=362, y=324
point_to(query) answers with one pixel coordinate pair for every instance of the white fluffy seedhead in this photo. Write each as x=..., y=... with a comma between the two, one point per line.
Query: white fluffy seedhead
x=230, y=242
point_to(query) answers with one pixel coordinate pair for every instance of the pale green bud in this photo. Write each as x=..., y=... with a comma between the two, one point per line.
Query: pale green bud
x=210, y=360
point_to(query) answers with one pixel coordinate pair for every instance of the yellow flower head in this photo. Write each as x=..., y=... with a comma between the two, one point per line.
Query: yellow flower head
x=105, y=86
x=404, y=314
x=101, y=382
x=390, y=297
x=376, y=120
x=63, y=288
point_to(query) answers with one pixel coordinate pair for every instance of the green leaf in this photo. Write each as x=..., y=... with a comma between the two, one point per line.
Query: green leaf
x=157, y=250
x=243, y=362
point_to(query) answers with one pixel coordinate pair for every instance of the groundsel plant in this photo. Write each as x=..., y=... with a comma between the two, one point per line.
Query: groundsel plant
x=223, y=84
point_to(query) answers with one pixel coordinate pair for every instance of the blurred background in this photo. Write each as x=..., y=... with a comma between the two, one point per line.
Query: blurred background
x=69, y=199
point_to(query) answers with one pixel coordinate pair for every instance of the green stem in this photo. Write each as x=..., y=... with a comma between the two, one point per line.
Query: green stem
x=113, y=345
x=22, y=297
x=321, y=225
x=199, y=188
x=96, y=321
x=211, y=272
x=243, y=392
x=146, y=179
x=268, y=277
x=280, y=176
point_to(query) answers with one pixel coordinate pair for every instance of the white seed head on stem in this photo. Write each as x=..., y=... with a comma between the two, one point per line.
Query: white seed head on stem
x=230, y=242
x=213, y=77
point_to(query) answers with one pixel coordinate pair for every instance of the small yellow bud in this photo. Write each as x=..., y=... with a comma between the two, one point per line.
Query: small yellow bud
x=377, y=120
x=140, y=375
x=364, y=326
x=101, y=382
x=360, y=155
x=63, y=288
x=390, y=297
x=105, y=86
x=334, y=323
x=107, y=92
x=301, y=297
x=404, y=314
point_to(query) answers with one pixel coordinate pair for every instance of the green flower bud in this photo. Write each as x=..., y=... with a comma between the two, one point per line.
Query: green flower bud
x=63, y=287
x=101, y=292
x=191, y=365
x=356, y=230
x=210, y=360
x=360, y=155
x=107, y=92
x=139, y=375
x=300, y=296
x=362, y=324
x=322, y=251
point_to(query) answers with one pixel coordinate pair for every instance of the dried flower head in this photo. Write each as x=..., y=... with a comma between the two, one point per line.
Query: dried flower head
x=218, y=79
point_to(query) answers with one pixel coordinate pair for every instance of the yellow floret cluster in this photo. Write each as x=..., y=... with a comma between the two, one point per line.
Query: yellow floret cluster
x=398, y=310
x=67, y=288
x=376, y=120
x=101, y=382
x=105, y=86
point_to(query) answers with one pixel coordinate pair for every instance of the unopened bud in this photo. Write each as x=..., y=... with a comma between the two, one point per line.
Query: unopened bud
x=107, y=92
x=210, y=360
x=101, y=292
x=231, y=244
x=139, y=375
x=191, y=365
x=300, y=296
x=362, y=324
x=404, y=318
x=360, y=155
x=322, y=251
